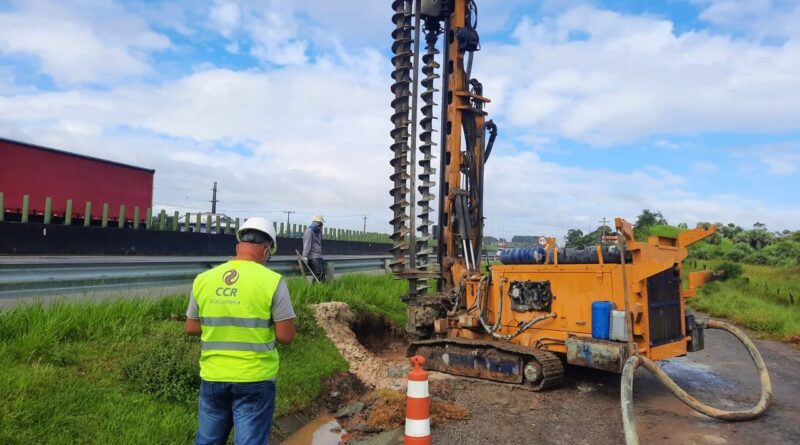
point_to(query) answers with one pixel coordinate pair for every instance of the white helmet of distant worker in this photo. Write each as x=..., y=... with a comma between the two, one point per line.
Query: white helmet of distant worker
x=318, y=218
x=258, y=224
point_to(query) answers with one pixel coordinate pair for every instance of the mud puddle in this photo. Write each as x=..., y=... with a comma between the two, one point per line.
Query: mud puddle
x=324, y=430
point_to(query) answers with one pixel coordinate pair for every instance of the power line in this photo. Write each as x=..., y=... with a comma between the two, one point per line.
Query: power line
x=365, y=223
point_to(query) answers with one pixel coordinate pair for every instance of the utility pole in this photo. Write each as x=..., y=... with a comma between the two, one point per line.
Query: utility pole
x=365, y=223
x=603, y=223
x=288, y=217
x=214, y=199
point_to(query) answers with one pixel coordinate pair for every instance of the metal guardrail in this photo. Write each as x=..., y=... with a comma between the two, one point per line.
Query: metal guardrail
x=27, y=279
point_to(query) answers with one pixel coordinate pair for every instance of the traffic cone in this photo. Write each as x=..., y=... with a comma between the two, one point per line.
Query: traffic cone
x=418, y=405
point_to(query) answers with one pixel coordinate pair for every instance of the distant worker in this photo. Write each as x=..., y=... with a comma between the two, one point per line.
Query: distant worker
x=239, y=310
x=312, y=247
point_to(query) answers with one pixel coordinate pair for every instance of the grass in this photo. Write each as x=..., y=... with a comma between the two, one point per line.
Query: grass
x=123, y=372
x=765, y=299
x=664, y=230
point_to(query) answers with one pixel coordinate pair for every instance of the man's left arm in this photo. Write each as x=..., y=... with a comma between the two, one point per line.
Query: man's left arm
x=283, y=314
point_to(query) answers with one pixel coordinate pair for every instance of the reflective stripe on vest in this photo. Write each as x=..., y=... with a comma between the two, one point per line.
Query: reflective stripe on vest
x=235, y=321
x=237, y=333
x=237, y=346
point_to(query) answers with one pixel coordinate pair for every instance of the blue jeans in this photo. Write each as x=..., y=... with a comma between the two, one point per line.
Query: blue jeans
x=248, y=407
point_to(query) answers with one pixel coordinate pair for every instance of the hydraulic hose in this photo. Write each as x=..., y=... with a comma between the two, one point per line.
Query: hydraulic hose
x=626, y=387
x=492, y=330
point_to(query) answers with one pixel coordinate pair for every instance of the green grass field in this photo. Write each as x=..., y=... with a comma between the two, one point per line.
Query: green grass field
x=765, y=299
x=123, y=372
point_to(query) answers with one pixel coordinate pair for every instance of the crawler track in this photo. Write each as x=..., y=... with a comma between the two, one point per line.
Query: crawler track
x=502, y=362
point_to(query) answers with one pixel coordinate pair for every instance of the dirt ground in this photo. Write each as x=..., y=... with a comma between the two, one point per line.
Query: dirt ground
x=587, y=409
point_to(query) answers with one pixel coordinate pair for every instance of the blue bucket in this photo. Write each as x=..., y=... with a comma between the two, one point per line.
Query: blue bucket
x=601, y=319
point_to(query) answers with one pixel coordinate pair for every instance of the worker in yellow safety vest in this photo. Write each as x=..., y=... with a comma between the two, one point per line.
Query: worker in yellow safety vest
x=239, y=309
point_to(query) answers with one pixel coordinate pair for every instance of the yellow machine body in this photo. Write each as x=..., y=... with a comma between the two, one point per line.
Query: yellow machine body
x=576, y=286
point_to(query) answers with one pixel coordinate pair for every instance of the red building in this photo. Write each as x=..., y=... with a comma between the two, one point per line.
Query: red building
x=41, y=172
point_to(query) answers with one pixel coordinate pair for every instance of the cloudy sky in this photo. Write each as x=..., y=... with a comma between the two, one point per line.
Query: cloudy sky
x=691, y=107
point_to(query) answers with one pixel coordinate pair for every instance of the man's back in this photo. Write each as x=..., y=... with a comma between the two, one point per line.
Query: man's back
x=234, y=303
x=312, y=242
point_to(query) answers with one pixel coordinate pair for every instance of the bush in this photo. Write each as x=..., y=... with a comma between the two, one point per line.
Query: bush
x=699, y=254
x=167, y=366
x=759, y=258
x=784, y=252
x=731, y=270
x=735, y=256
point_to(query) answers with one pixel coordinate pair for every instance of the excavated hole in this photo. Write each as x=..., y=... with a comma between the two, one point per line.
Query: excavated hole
x=379, y=336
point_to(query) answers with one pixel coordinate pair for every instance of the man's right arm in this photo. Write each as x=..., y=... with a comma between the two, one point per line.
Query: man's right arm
x=285, y=330
x=192, y=325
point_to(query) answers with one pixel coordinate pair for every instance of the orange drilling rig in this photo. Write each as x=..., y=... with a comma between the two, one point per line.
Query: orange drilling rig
x=612, y=307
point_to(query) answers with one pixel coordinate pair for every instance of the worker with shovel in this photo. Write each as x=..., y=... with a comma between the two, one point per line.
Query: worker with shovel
x=240, y=309
x=312, y=247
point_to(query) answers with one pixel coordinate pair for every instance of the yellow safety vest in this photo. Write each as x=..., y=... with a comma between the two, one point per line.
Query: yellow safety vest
x=238, y=335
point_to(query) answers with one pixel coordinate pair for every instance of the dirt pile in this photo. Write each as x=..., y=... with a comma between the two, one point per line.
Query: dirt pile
x=376, y=372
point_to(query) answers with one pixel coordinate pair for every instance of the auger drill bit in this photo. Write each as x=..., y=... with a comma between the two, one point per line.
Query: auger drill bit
x=429, y=69
x=401, y=48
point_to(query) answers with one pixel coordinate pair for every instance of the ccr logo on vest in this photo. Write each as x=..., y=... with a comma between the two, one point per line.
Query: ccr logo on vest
x=230, y=278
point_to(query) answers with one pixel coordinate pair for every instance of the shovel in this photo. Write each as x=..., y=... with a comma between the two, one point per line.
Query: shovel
x=301, y=262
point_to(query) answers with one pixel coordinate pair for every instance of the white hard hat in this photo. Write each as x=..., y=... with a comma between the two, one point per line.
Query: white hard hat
x=262, y=225
x=318, y=218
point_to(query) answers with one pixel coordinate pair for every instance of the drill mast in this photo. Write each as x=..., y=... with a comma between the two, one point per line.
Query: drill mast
x=463, y=151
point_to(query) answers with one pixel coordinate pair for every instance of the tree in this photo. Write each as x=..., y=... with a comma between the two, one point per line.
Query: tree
x=756, y=238
x=576, y=237
x=729, y=231
x=649, y=218
x=573, y=237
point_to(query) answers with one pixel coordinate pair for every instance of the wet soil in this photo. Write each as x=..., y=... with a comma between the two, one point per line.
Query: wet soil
x=324, y=430
x=337, y=390
x=587, y=409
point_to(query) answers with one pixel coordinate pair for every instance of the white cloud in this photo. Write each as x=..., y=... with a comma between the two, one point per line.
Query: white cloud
x=780, y=159
x=225, y=16
x=704, y=167
x=271, y=29
x=664, y=143
x=633, y=77
x=93, y=41
x=758, y=18
x=531, y=196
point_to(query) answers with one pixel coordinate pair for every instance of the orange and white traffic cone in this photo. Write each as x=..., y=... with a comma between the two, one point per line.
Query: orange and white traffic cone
x=418, y=405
